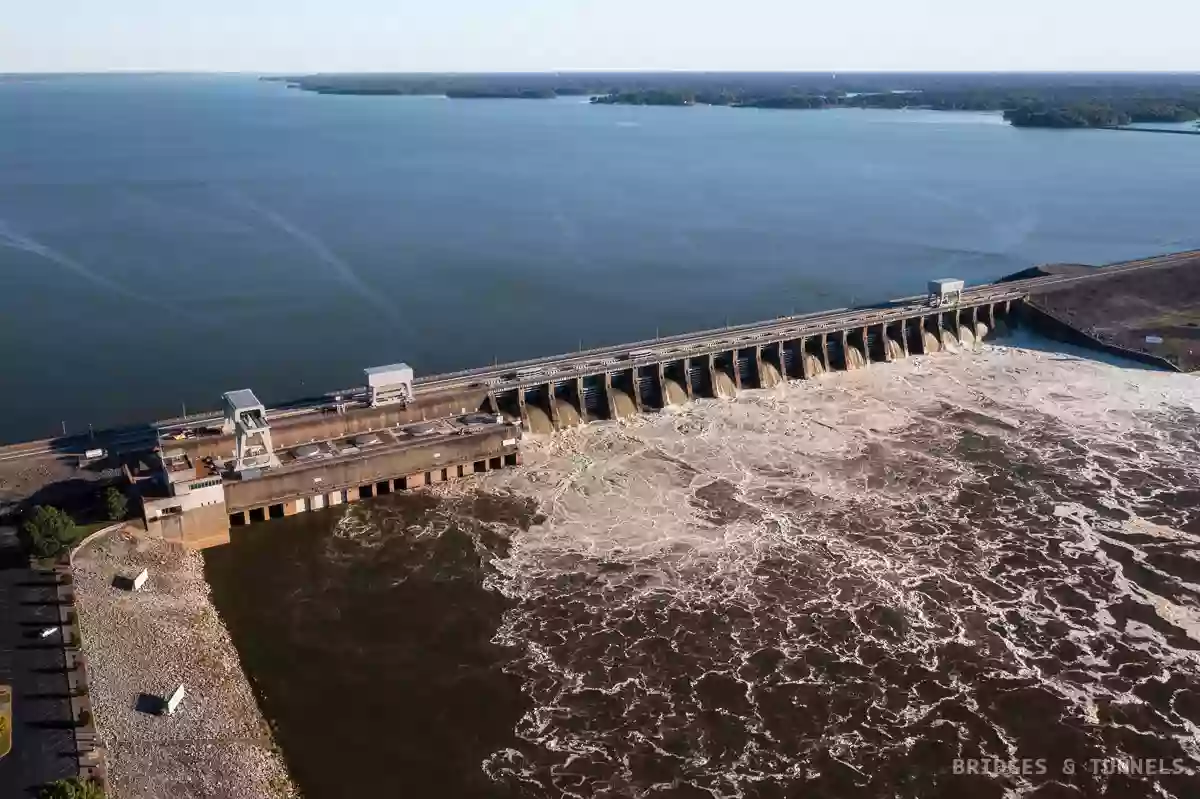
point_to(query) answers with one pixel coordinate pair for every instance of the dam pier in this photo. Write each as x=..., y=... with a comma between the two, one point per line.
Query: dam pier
x=198, y=476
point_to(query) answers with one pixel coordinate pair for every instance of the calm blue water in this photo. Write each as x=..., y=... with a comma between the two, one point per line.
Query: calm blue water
x=164, y=239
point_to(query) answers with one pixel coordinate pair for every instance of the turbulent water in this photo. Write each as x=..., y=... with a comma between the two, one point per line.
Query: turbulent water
x=853, y=587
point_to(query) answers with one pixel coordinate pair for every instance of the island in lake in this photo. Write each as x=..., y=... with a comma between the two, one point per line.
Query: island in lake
x=1045, y=100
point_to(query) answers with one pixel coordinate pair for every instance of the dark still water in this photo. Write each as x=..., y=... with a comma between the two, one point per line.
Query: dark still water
x=164, y=239
x=368, y=637
x=848, y=589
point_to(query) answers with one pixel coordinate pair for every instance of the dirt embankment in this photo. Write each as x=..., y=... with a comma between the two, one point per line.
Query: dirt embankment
x=1123, y=309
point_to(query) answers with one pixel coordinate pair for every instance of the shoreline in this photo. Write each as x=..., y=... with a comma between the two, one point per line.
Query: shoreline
x=142, y=645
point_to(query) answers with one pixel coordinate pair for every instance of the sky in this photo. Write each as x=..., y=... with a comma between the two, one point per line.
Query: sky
x=536, y=35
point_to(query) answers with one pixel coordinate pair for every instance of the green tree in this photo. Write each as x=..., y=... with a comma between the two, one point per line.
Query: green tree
x=48, y=530
x=116, y=503
x=73, y=788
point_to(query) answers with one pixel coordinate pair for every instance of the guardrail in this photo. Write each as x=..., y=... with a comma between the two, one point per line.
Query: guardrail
x=699, y=344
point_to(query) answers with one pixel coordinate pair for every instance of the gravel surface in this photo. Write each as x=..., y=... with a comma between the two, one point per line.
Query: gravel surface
x=142, y=645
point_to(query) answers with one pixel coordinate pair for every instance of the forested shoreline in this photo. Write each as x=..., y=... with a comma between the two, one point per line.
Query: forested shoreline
x=1052, y=100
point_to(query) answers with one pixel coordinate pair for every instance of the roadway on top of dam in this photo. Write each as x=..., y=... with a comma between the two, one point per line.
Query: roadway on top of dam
x=617, y=357
x=555, y=368
x=613, y=358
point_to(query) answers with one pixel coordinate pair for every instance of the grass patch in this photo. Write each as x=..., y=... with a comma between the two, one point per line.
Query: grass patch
x=82, y=531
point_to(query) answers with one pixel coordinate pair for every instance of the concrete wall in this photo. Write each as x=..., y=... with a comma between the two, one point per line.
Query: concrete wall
x=198, y=528
x=359, y=470
x=153, y=508
x=1051, y=326
x=301, y=429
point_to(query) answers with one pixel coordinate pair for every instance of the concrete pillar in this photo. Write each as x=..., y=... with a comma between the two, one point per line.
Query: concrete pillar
x=737, y=372
x=415, y=480
x=583, y=411
x=845, y=350
x=637, y=390
x=904, y=336
x=712, y=373
x=523, y=410
x=661, y=372
x=781, y=351
x=804, y=357
x=991, y=316
x=866, y=347
x=552, y=402
x=758, y=362
x=825, y=352
x=493, y=406
x=608, y=396
x=883, y=341
x=957, y=325
x=687, y=378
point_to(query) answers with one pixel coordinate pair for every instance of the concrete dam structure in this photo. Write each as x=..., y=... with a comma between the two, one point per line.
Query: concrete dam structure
x=669, y=372
x=206, y=473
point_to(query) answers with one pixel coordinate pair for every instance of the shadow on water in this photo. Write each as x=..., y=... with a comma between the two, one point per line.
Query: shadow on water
x=366, y=633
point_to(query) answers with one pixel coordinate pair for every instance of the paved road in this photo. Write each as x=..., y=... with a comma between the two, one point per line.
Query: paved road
x=43, y=742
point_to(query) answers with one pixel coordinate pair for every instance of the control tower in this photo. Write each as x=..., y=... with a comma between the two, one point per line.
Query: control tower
x=246, y=418
x=389, y=384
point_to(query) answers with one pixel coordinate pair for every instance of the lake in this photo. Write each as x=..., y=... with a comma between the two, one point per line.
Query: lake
x=164, y=239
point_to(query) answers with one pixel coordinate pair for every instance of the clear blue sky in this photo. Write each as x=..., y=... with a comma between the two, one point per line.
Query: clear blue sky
x=491, y=35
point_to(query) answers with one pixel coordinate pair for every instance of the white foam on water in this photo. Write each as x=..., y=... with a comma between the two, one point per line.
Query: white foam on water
x=798, y=589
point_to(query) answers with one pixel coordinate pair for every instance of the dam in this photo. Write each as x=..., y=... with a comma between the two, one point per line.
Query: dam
x=198, y=476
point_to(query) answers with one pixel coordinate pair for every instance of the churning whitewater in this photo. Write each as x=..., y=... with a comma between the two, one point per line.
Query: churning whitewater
x=959, y=575
x=840, y=588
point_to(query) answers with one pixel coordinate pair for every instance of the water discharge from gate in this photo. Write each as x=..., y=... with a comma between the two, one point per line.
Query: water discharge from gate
x=835, y=588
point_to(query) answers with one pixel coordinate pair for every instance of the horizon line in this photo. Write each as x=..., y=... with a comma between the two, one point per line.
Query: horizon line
x=597, y=70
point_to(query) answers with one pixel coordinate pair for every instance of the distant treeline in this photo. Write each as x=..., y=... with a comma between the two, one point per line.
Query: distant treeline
x=1056, y=100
